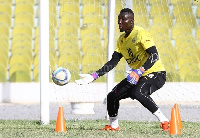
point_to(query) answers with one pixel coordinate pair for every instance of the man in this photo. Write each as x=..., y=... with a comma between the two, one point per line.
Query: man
x=147, y=73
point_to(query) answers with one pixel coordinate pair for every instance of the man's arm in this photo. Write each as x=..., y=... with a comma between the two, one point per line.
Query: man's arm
x=110, y=64
x=88, y=78
x=152, y=58
x=135, y=74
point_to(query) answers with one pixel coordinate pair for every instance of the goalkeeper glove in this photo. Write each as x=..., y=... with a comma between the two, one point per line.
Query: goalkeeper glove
x=134, y=75
x=87, y=78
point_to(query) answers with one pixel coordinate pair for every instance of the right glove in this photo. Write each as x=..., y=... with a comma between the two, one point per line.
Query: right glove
x=134, y=75
x=86, y=78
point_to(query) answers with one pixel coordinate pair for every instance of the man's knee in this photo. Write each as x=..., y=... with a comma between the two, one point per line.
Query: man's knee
x=140, y=91
x=136, y=95
x=110, y=97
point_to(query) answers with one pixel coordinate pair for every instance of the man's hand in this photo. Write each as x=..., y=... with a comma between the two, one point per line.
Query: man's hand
x=134, y=75
x=86, y=78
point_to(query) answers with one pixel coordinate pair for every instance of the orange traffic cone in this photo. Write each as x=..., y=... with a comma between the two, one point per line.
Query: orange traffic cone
x=174, y=128
x=178, y=116
x=60, y=123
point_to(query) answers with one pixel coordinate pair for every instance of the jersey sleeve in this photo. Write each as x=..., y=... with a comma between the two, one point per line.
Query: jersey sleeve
x=146, y=39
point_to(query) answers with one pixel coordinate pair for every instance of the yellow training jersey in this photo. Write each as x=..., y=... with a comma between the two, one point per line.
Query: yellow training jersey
x=133, y=48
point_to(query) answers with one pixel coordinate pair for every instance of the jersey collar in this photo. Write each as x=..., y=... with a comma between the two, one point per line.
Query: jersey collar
x=129, y=34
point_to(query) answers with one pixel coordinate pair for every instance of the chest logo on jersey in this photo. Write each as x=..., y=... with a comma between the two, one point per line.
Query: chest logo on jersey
x=133, y=58
x=133, y=40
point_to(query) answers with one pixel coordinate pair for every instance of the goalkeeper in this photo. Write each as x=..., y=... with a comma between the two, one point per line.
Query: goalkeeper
x=147, y=73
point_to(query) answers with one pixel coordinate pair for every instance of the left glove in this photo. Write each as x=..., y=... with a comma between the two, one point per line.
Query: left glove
x=134, y=75
x=86, y=78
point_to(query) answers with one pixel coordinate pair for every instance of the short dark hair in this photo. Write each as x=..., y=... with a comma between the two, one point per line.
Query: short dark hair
x=127, y=10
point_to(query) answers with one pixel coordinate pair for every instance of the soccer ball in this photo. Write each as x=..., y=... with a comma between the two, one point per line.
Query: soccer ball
x=61, y=76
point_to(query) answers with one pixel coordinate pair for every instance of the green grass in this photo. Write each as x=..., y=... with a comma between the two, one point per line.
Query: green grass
x=90, y=129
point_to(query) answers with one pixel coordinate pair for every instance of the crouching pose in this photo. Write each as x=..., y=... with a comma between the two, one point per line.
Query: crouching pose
x=147, y=73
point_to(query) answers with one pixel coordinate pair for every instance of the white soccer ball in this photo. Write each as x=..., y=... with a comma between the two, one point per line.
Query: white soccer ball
x=61, y=76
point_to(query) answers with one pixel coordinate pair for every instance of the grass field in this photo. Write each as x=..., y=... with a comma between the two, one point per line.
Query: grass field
x=90, y=129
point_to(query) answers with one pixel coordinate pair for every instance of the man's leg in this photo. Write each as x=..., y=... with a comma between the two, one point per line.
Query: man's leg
x=144, y=88
x=120, y=91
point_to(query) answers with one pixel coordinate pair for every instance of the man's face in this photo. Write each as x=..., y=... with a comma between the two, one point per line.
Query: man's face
x=125, y=21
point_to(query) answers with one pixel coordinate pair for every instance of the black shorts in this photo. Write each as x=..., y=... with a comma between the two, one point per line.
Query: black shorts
x=146, y=84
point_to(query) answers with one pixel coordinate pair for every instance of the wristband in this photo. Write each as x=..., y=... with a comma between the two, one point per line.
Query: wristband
x=142, y=69
x=95, y=75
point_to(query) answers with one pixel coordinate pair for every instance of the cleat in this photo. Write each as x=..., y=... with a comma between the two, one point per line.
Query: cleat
x=108, y=128
x=165, y=125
